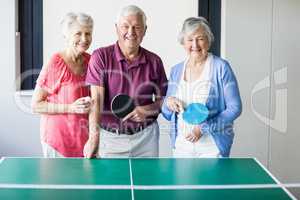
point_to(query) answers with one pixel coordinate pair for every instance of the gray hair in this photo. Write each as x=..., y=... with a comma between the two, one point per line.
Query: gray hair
x=193, y=23
x=132, y=10
x=71, y=18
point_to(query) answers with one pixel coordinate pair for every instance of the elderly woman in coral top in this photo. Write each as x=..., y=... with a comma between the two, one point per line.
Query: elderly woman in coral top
x=60, y=95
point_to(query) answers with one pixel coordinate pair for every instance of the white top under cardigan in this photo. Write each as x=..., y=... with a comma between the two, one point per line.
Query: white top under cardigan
x=194, y=92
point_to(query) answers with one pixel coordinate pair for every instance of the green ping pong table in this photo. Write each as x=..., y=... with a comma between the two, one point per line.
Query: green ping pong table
x=138, y=178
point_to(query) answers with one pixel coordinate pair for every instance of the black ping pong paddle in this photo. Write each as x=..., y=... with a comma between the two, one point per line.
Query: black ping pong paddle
x=122, y=105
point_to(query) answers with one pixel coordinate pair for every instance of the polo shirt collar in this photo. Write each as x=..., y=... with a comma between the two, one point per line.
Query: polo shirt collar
x=120, y=57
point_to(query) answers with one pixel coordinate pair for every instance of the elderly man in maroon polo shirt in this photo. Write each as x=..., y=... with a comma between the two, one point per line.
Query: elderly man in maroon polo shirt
x=125, y=68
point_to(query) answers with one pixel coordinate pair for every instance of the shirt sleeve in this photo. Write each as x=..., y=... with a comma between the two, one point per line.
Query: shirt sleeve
x=162, y=81
x=51, y=76
x=96, y=71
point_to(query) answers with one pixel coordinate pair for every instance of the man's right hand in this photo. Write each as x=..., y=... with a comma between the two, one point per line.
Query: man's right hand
x=91, y=147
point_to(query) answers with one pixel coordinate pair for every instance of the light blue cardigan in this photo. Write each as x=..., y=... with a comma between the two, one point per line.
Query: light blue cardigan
x=224, y=104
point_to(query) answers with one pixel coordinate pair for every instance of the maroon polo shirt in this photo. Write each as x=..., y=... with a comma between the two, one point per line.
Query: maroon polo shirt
x=140, y=79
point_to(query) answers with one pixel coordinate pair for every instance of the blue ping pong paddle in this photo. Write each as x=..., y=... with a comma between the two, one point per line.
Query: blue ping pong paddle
x=195, y=113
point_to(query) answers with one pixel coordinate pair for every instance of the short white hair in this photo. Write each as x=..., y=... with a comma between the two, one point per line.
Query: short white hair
x=193, y=23
x=71, y=18
x=131, y=10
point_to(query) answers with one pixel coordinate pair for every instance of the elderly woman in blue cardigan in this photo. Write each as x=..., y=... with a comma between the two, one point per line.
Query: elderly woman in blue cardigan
x=207, y=79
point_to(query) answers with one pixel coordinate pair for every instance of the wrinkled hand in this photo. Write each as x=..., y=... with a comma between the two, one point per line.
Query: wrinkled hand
x=81, y=105
x=195, y=135
x=91, y=147
x=174, y=104
x=137, y=115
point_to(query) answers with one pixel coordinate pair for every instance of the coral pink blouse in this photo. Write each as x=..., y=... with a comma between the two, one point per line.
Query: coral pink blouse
x=67, y=133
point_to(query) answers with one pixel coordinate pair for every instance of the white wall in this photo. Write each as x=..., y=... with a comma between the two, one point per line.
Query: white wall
x=248, y=49
x=261, y=41
x=164, y=22
x=284, y=149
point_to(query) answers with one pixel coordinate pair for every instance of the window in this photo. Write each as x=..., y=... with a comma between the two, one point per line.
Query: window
x=30, y=25
x=211, y=10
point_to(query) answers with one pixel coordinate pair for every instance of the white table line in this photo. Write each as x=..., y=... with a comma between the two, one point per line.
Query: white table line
x=276, y=180
x=131, y=180
x=2, y=159
x=147, y=187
